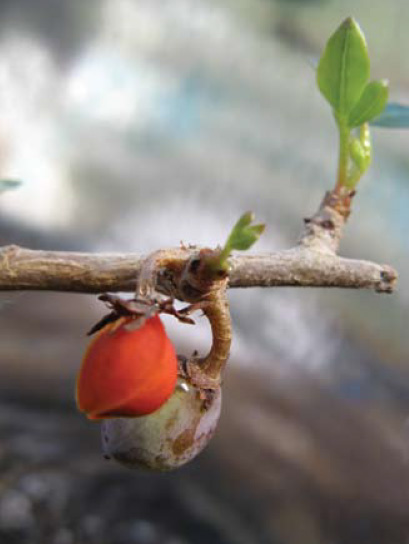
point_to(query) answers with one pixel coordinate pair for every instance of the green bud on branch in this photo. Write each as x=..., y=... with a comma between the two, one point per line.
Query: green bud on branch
x=242, y=236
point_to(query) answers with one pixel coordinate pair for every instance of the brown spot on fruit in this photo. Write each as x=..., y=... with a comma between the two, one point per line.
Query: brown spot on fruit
x=184, y=441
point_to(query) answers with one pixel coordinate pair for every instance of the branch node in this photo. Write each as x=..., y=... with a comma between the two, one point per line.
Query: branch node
x=388, y=279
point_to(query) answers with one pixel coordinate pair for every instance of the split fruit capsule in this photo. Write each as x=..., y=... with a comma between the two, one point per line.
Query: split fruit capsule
x=151, y=417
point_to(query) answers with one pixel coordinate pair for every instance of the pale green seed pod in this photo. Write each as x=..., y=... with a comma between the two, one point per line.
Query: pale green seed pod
x=169, y=437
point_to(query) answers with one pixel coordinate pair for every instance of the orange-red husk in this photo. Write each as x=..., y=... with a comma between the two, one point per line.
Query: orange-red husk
x=127, y=373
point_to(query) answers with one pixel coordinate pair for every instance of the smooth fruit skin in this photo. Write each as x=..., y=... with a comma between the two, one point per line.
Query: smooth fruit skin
x=125, y=372
x=167, y=438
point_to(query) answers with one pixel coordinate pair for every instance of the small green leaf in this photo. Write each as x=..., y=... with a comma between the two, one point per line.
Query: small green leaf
x=7, y=184
x=393, y=116
x=245, y=238
x=371, y=104
x=244, y=235
x=244, y=221
x=343, y=70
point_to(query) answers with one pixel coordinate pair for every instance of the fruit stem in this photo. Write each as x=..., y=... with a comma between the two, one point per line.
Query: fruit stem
x=198, y=282
x=217, y=311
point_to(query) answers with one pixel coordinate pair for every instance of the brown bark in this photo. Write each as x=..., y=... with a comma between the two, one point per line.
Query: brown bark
x=313, y=262
x=25, y=269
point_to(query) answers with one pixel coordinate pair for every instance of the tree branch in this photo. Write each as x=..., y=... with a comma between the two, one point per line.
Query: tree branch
x=25, y=269
x=313, y=262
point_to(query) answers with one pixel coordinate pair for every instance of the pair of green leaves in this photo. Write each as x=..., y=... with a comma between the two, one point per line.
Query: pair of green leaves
x=242, y=236
x=343, y=77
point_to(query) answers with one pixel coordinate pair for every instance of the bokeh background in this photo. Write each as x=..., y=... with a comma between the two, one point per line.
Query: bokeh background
x=137, y=124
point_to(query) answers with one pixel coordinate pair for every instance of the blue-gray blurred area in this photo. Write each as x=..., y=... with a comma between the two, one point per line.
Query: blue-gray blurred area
x=137, y=124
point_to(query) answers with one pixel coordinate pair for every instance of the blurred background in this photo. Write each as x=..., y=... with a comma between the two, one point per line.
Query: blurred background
x=137, y=124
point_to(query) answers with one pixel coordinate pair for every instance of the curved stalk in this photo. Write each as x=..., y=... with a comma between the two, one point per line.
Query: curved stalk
x=217, y=311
